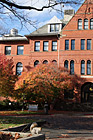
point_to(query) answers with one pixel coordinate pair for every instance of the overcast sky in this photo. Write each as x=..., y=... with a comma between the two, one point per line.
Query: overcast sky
x=41, y=18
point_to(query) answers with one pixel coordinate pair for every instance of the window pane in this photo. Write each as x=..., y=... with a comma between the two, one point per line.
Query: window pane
x=89, y=67
x=19, y=68
x=45, y=62
x=54, y=46
x=82, y=44
x=7, y=50
x=91, y=23
x=66, y=64
x=56, y=27
x=52, y=28
x=82, y=67
x=20, y=50
x=85, y=23
x=66, y=44
x=88, y=44
x=72, y=67
x=80, y=24
x=36, y=63
x=45, y=46
x=72, y=44
x=37, y=46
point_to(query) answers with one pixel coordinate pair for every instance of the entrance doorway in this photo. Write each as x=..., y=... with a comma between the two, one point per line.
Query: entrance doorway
x=87, y=93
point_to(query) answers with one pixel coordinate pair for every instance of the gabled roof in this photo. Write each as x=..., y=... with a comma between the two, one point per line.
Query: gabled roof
x=43, y=31
x=54, y=20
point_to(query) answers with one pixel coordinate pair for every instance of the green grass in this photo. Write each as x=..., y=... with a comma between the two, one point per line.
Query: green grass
x=8, y=121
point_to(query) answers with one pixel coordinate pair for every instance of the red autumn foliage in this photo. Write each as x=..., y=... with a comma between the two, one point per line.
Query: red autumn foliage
x=7, y=77
x=47, y=82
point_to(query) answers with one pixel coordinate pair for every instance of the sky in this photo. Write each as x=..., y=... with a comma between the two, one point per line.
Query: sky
x=40, y=18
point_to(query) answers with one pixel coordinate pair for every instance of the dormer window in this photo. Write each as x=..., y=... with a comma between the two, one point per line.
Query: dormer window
x=54, y=27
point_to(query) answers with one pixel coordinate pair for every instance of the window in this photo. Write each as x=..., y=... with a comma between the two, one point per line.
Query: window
x=54, y=27
x=7, y=50
x=71, y=67
x=20, y=50
x=36, y=63
x=85, y=24
x=54, y=62
x=19, y=68
x=88, y=44
x=88, y=67
x=82, y=67
x=66, y=44
x=91, y=23
x=80, y=24
x=54, y=45
x=72, y=44
x=37, y=46
x=45, y=46
x=45, y=62
x=66, y=64
x=82, y=44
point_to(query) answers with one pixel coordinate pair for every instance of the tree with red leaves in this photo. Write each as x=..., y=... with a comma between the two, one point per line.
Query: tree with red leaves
x=7, y=77
x=47, y=82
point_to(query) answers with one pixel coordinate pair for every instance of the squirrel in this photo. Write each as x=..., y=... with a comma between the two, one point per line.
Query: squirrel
x=34, y=129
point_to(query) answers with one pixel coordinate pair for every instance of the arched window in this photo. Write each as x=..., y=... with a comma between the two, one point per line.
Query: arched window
x=85, y=24
x=82, y=67
x=19, y=68
x=71, y=67
x=66, y=64
x=80, y=24
x=36, y=63
x=54, y=61
x=88, y=67
x=45, y=62
x=91, y=23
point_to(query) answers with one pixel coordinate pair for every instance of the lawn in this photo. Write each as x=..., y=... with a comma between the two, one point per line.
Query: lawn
x=10, y=119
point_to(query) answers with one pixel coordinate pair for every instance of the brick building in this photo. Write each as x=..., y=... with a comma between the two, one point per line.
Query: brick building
x=67, y=42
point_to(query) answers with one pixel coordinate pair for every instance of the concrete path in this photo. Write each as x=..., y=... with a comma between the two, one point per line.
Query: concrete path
x=70, y=126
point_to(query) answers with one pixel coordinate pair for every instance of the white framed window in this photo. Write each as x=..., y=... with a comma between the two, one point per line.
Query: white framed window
x=80, y=24
x=54, y=27
x=20, y=50
x=45, y=46
x=37, y=46
x=19, y=68
x=91, y=23
x=7, y=50
x=85, y=24
x=88, y=67
x=82, y=67
x=54, y=45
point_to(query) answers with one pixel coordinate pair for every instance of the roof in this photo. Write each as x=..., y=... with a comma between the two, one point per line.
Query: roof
x=9, y=38
x=43, y=31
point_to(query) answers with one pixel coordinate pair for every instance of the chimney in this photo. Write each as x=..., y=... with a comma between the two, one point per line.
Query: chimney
x=13, y=32
x=68, y=14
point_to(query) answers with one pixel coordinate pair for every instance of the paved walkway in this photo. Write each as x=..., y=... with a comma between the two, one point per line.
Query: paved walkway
x=71, y=126
x=66, y=126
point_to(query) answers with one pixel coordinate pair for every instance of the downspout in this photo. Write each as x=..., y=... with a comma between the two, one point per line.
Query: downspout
x=58, y=48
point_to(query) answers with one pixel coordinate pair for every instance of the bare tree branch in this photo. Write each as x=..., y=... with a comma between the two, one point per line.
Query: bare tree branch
x=52, y=3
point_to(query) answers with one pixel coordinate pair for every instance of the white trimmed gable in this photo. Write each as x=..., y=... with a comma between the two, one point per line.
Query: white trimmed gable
x=54, y=21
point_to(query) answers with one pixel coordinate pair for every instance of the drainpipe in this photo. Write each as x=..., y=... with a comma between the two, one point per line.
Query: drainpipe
x=58, y=47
